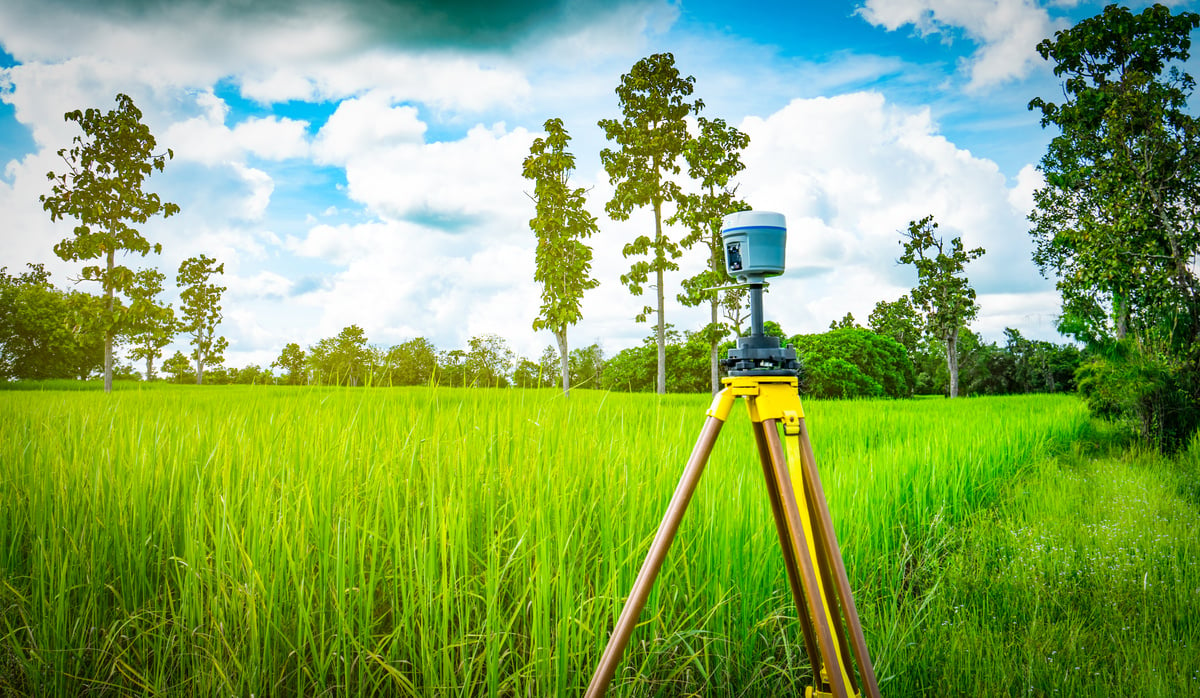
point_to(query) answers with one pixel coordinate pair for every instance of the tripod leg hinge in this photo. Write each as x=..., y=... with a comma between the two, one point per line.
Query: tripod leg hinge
x=722, y=404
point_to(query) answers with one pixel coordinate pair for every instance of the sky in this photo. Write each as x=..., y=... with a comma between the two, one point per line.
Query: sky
x=359, y=161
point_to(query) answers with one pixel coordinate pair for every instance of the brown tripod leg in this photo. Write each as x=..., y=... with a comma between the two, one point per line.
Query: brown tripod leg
x=823, y=623
x=654, y=559
x=789, y=551
x=827, y=543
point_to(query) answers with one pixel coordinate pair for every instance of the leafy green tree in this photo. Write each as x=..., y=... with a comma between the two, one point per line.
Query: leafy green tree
x=587, y=366
x=179, y=368
x=900, y=321
x=252, y=375
x=342, y=360
x=45, y=332
x=292, y=360
x=1118, y=221
x=561, y=223
x=848, y=362
x=943, y=293
x=202, y=310
x=548, y=366
x=714, y=159
x=526, y=374
x=651, y=136
x=102, y=189
x=152, y=326
x=488, y=361
x=413, y=362
x=847, y=322
x=452, y=368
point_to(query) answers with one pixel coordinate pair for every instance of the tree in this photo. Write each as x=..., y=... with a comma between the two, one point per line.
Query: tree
x=713, y=159
x=342, y=360
x=900, y=321
x=651, y=135
x=291, y=359
x=202, y=310
x=943, y=293
x=587, y=366
x=413, y=362
x=1118, y=220
x=45, y=332
x=847, y=322
x=152, y=326
x=452, y=368
x=102, y=189
x=563, y=260
x=848, y=362
x=178, y=367
x=488, y=361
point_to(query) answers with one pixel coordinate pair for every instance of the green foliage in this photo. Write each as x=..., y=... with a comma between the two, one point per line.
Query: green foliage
x=102, y=189
x=202, y=310
x=852, y=362
x=713, y=158
x=587, y=366
x=1116, y=222
x=900, y=321
x=292, y=360
x=411, y=363
x=1155, y=395
x=342, y=360
x=488, y=361
x=652, y=135
x=47, y=333
x=943, y=293
x=152, y=326
x=179, y=368
x=563, y=260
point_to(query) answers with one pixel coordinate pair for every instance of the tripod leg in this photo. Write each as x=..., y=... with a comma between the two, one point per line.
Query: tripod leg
x=800, y=534
x=827, y=541
x=658, y=551
x=789, y=551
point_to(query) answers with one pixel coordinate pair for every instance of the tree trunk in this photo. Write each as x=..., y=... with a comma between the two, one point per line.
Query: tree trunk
x=199, y=369
x=716, y=376
x=1121, y=315
x=149, y=368
x=662, y=329
x=952, y=362
x=561, y=336
x=108, y=331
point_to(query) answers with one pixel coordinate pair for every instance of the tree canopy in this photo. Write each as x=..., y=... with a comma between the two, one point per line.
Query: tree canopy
x=102, y=189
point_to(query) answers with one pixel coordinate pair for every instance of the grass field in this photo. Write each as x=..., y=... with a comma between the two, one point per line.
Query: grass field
x=439, y=542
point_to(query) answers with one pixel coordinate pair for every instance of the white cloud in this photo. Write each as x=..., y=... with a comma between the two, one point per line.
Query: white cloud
x=1006, y=30
x=254, y=205
x=850, y=172
x=363, y=124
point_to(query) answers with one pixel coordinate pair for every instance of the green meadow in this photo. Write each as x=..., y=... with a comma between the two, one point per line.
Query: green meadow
x=269, y=541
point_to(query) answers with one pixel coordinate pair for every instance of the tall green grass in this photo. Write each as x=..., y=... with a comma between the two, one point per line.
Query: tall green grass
x=449, y=542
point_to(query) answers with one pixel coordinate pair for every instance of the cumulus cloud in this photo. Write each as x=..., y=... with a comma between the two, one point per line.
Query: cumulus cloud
x=1006, y=30
x=850, y=172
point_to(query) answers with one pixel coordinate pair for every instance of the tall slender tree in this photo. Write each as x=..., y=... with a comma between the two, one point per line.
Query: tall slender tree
x=202, y=310
x=652, y=135
x=714, y=159
x=560, y=224
x=943, y=293
x=102, y=189
x=152, y=326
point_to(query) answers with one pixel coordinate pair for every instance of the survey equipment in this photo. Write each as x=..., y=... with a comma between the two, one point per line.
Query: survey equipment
x=765, y=375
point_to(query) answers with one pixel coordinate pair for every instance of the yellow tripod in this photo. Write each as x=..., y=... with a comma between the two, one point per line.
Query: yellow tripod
x=815, y=570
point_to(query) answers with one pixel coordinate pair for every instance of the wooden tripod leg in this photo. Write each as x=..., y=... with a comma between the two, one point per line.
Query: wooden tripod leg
x=827, y=542
x=821, y=617
x=789, y=551
x=654, y=559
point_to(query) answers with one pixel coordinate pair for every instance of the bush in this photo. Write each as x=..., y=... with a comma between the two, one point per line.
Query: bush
x=1156, y=396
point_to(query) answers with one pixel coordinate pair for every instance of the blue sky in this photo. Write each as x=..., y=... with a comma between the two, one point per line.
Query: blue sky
x=358, y=162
